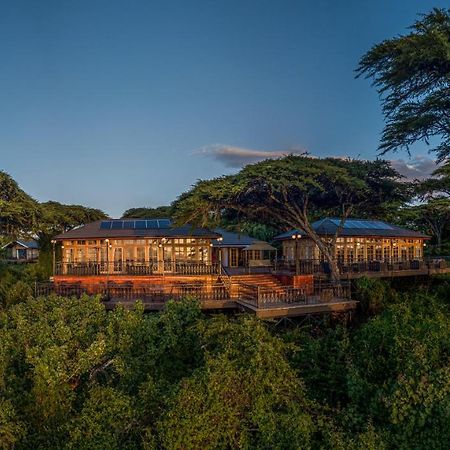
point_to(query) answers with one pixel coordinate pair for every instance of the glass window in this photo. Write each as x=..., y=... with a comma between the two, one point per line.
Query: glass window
x=350, y=254
x=129, y=253
x=140, y=254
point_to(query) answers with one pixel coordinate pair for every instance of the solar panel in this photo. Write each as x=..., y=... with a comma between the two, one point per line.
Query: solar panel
x=164, y=223
x=140, y=225
x=152, y=224
x=363, y=224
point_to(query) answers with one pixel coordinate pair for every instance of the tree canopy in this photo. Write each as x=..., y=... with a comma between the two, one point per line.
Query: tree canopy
x=148, y=213
x=412, y=75
x=293, y=190
x=73, y=375
x=18, y=211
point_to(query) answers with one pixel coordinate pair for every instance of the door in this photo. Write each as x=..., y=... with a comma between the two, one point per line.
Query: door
x=234, y=257
x=117, y=260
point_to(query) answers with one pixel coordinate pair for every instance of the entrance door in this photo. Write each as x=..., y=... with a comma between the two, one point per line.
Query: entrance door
x=234, y=257
x=117, y=260
x=167, y=258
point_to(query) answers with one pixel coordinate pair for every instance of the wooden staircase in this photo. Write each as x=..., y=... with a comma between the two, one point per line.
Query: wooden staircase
x=264, y=281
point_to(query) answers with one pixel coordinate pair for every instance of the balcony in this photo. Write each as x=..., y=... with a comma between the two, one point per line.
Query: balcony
x=136, y=268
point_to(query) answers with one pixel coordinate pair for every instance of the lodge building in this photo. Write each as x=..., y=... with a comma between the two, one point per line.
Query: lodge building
x=358, y=241
x=154, y=261
x=134, y=246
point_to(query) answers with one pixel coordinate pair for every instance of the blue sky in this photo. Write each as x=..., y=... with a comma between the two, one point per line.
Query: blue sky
x=119, y=104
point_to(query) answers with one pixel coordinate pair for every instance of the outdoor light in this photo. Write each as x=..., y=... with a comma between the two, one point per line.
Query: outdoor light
x=220, y=239
x=296, y=236
x=62, y=246
x=53, y=241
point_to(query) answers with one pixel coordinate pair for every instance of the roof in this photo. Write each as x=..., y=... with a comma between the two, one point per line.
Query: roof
x=134, y=228
x=25, y=244
x=260, y=245
x=230, y=239
x=356, y=227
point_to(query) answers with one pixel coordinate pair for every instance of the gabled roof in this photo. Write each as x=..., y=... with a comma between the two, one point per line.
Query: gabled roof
x=239, y=240
x=356, y=227
x=25, y=244
x=134, y=228
x=230, y=239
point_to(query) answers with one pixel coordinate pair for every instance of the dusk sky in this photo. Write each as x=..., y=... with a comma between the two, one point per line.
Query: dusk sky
x=120, y=104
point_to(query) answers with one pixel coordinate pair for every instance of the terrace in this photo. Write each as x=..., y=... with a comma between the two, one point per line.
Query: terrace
x=265, y=302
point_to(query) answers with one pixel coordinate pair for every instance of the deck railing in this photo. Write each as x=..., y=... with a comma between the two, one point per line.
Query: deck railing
x=148, y=293
x=264, y=297
x=315, y=267
x=136, y=268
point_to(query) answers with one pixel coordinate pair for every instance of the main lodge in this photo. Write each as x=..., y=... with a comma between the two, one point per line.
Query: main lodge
x=154, y=260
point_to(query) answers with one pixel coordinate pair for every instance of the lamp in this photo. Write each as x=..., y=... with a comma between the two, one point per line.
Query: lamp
x=296, y=236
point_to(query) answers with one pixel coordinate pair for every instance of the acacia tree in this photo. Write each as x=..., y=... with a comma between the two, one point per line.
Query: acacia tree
x=412, y=75
x=293, y=189
x=431, y=217
x=19, y=213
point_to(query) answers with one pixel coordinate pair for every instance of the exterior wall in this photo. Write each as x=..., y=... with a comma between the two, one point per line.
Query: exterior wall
x=358, y=249
x=136, y=250
x=14, y=252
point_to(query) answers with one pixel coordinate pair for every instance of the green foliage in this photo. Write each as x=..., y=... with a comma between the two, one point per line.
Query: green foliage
x=159, y=212
x=411, y=72
x=246, y=395
x=400, y=373
x=373, y=295
x=75, y=376
x=18, y=211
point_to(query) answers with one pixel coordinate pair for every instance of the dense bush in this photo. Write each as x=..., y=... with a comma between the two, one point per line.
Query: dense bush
x=75, y=376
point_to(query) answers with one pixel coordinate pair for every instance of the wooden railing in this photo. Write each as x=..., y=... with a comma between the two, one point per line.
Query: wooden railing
x=132, y=292
x=313, y=266
x=258, y=296
x=136, y=268
x=263, y=297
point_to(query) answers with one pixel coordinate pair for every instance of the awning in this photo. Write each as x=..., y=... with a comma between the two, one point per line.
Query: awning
x=259, y=245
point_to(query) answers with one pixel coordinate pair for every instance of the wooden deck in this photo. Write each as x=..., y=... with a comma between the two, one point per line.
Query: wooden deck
x=270, y=311
x=264, y=295
x=279, y=310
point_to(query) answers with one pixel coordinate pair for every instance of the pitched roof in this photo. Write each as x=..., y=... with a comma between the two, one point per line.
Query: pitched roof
x=134, y=228
x=230, y=239
x=356, y=227
x=25, y=244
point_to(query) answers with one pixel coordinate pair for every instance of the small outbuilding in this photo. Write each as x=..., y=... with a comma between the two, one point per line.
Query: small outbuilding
x=21, y=251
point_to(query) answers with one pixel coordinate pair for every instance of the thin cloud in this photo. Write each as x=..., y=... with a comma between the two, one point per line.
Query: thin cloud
x=416, y=168
x=236, y=157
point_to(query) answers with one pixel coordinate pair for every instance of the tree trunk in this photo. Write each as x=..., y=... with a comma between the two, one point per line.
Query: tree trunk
x=335, y=274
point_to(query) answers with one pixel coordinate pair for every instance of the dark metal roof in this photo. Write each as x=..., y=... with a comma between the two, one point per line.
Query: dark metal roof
x=134, y=228
x=230, y=239
x=26, y=244
x=356, y=227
